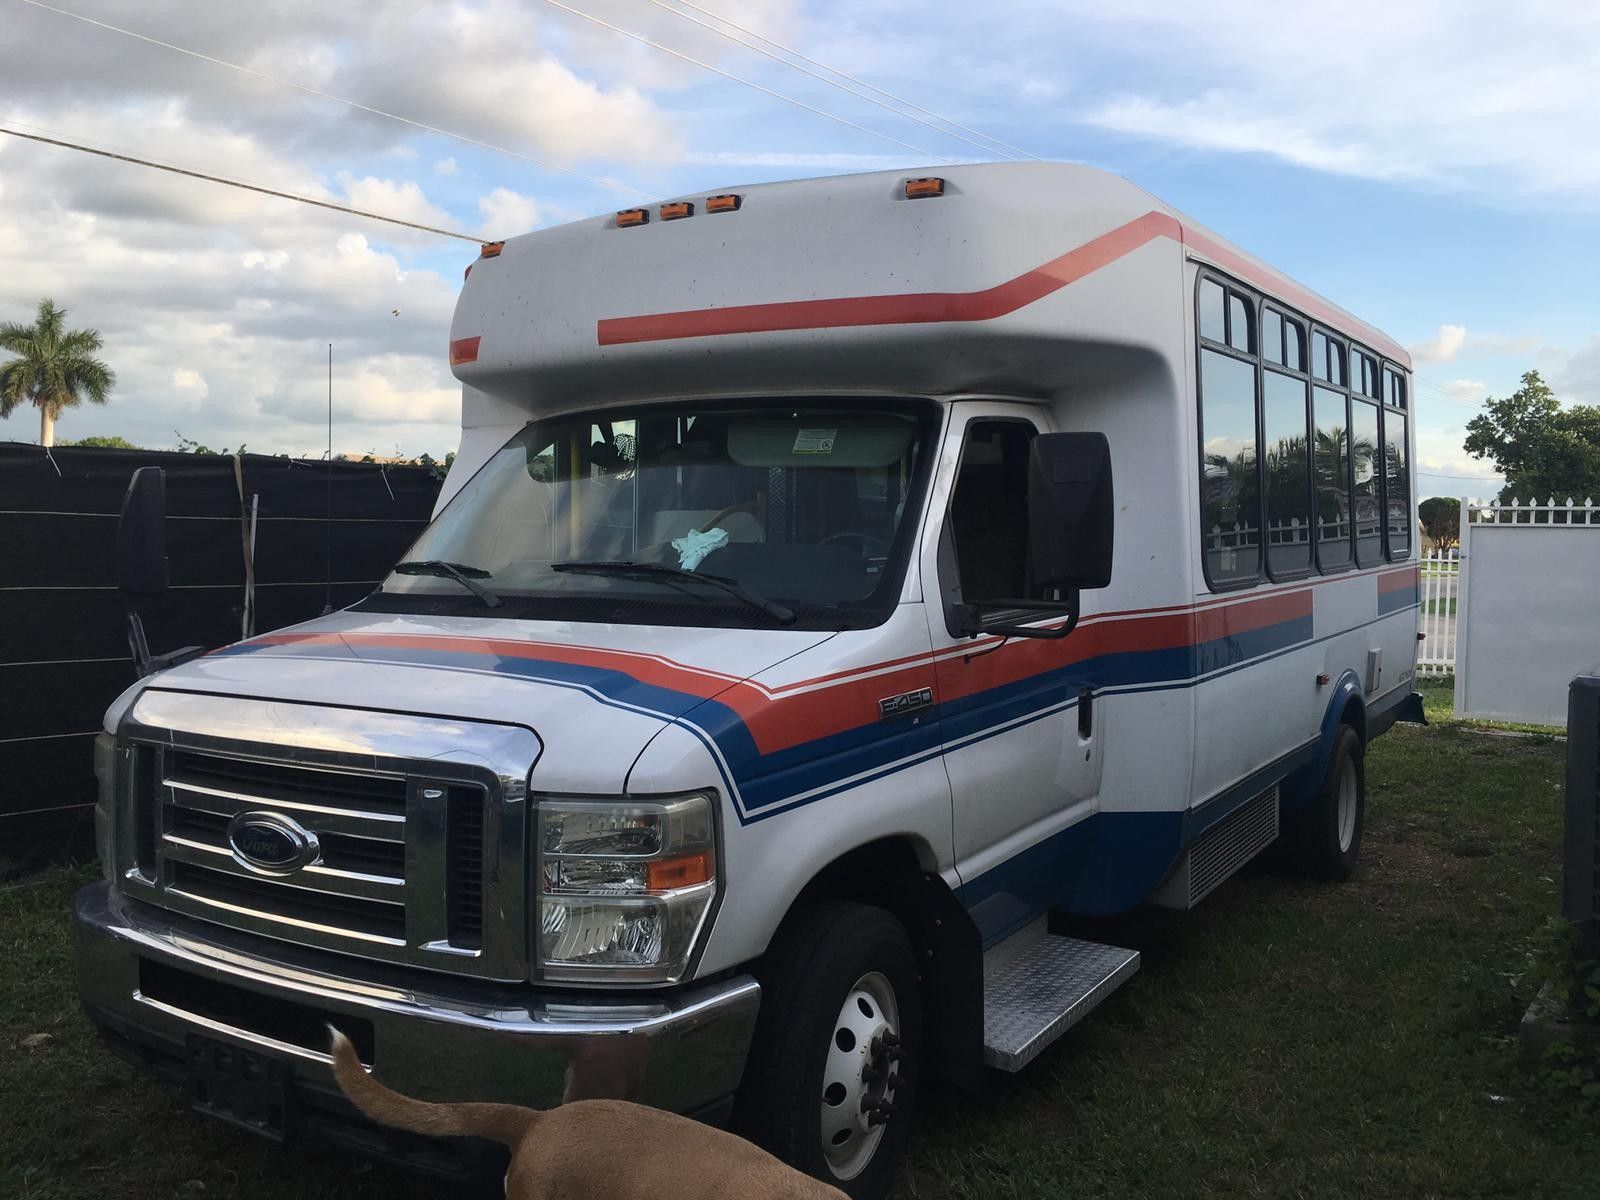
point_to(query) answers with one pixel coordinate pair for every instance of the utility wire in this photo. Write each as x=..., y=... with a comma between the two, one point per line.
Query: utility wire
x=638, y=37
x=1009, y=151
x=1007, y=146
x=356, y=104
x=236, y=183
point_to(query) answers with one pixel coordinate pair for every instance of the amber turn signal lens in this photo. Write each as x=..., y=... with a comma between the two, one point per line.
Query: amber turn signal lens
x=724, y=203
x=917, y=188
x=492, y=249
x=683, y=871
x=677, y=210
x=632, y=216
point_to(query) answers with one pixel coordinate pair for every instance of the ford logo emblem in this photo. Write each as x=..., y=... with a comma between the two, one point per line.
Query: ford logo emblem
x=271, y=843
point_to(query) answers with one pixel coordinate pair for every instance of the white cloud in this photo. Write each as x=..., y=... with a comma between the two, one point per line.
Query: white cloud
x=507, y=213
x=1442, y=347
x=1466, y=95
x=446, y=166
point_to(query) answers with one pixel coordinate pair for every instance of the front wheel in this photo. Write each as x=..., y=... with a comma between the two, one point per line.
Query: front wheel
x=1324, y=839
x=832, y=1075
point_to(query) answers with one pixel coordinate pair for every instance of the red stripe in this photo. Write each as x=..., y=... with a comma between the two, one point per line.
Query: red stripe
x=1395, y=581
x=464, y=350
x=914, y=308
x=911, y=308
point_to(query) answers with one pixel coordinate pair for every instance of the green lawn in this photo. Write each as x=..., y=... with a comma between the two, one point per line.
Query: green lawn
x=1284, y=1040
x=1440, y=607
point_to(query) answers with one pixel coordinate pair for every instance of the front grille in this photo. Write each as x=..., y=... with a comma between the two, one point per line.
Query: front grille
x=357, y=895
x=399, y=838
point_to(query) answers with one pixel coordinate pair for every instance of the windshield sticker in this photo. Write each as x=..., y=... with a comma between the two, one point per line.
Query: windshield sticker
x=693, y=546
x=815, y=441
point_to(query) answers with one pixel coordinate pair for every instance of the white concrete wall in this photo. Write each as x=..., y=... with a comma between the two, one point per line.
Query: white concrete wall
x=1528, y=619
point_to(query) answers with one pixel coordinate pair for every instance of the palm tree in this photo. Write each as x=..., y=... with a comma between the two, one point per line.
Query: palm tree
x=55, y=368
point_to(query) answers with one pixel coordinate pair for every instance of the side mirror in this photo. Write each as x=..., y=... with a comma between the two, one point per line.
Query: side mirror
x=142, y=537
x=1071, y=512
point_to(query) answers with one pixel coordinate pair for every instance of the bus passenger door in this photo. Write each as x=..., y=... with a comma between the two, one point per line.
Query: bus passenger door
x=1022, y=726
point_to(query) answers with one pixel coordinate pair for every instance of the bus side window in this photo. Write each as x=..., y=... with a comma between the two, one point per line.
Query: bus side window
x=1396, y=468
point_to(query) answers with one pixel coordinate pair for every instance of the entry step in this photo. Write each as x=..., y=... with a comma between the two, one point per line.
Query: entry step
x=1037, y=985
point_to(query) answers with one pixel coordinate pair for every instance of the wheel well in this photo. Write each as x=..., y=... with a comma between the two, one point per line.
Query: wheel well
x=1355, y=716
x=894, y=874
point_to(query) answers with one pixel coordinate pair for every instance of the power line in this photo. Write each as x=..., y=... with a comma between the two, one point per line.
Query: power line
x=356, y=104
x=236, y=183
x=851, y=91
x=863, y=83
x=638, y=37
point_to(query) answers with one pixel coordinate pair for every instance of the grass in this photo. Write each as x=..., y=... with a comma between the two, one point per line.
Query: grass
x=1283, y=1040
x=1436, y=607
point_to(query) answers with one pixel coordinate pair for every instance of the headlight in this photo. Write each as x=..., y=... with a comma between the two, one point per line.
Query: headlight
x=105, y=805
x=624, y=886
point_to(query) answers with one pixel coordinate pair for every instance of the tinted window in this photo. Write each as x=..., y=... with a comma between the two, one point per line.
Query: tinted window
x=1394, y=388
x=1211, y=320
x=1239, y=324
x=1397, y=483
x=1364, y=473
x=1331, y=460
x=1230, y=502
x=989, y=511
x=1294, y=345
x=1288, y=464
x=1271, y=336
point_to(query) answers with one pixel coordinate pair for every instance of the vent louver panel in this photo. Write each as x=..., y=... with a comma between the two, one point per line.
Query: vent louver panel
x=464, y=868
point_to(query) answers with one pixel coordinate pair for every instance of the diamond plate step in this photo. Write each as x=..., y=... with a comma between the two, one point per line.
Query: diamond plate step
x=1038, y=985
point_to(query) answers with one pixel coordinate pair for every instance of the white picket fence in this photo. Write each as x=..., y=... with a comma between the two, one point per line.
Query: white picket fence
x=1440, y=583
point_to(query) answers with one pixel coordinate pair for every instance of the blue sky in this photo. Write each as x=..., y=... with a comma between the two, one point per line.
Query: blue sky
x=1433, y=167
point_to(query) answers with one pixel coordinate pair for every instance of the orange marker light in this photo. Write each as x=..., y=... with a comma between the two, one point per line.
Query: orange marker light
x=683, y=871
x=918, y=188
x=727, y=202
x=677, y=210
x=633, y=216
x=492, y=249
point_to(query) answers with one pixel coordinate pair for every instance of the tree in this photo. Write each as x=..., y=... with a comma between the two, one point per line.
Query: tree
x=1542, y=449
x=55, y=368
x=104, y=443
x=1441, y=520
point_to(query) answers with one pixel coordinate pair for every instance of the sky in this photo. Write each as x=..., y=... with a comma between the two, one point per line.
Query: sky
x=1433, y=167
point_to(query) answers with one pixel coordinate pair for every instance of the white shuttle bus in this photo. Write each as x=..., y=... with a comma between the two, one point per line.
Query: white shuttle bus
x=840, y=586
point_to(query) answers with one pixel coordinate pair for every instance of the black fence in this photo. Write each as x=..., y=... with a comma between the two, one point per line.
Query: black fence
x=63, y=635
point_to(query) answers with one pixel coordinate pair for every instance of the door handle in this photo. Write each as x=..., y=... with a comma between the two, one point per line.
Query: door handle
x=1086, y=713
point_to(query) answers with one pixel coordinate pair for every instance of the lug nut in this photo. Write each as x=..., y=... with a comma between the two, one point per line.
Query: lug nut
x=871, y=1075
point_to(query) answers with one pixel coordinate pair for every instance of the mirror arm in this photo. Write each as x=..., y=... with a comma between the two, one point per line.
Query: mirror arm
x=975, y=624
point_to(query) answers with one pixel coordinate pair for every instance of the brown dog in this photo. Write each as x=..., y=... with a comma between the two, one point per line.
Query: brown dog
x=605, y=1149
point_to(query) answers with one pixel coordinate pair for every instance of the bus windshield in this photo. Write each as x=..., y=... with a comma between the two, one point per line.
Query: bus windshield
x=803, y=509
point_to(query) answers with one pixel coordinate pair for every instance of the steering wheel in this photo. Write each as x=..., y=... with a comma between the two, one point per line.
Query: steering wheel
x=871, y=545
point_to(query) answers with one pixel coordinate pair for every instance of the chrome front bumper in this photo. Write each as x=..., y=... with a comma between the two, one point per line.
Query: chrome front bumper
x=151, y=979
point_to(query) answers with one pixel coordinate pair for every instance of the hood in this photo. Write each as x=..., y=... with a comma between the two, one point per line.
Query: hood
x=594, y=694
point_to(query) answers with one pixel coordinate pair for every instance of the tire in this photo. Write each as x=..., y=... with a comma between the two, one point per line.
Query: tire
x=835, y=982
x=1324, y=839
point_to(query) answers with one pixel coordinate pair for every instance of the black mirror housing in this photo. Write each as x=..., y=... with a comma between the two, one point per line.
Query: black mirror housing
x=1071, y=512
x=142, y=537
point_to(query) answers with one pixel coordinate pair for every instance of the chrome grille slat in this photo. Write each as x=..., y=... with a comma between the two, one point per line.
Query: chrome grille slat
x=272, y=914
x=377, y=825
x=356, y=885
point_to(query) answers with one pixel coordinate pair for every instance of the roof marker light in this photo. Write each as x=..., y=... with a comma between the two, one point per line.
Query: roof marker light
x=677, y=210
x=629, y=217
x=492, y=249
x=916, y=189
x=728, y=202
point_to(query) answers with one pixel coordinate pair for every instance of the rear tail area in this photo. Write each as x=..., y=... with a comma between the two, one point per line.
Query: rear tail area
x=506, y=1123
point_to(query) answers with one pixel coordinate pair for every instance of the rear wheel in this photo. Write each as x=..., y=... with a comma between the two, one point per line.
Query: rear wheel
x=833, y=1071
x=1323, y=840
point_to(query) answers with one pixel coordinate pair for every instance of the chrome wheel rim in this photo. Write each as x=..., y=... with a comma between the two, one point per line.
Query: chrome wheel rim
x=860, y=1076
x=1347, y=808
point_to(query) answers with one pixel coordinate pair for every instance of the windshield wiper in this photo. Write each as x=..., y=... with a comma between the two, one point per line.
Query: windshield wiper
x=466, y=576
x=625, y=568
